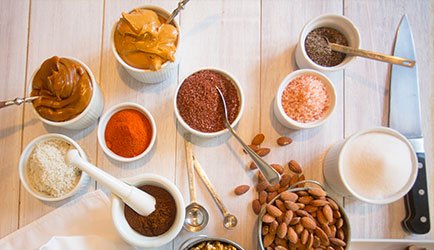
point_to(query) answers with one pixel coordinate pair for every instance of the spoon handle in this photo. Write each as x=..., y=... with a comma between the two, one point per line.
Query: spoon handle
x=190, y=169
x=372, y=55
x=17, y=101
x=177, y=10
x=209, y=186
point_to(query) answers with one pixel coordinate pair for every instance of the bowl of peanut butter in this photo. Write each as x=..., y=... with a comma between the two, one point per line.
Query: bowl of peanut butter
x=145, y=45
x=69, y=96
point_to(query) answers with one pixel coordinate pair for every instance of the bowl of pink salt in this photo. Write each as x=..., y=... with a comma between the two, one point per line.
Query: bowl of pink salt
x=305, y=99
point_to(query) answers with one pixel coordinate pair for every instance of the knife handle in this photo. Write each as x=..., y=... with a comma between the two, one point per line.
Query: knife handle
x=417, y=203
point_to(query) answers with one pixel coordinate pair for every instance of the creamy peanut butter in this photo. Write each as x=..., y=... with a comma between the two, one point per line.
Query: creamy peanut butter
x=144, y=41
x=64, y=87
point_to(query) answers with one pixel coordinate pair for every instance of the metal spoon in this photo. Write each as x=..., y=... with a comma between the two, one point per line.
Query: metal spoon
x=177, y=10
x=269, y=173
x=17, y=101
x=196, y=216
x=229, y=221
x=369, y=54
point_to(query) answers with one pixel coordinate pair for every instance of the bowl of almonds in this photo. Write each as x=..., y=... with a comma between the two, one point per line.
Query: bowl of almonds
x=303, y=218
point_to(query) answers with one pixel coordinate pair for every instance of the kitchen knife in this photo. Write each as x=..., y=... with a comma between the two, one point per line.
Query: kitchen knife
x=404, y=117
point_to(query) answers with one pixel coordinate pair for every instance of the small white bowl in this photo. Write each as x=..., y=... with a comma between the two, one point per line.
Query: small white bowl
x=23, y=165
x=89, y=115
x=342, y=24
x=133, y=237
x=334, y=173
x=236, y=84
x=284, y=119
x=106, y=117
x=144, y=75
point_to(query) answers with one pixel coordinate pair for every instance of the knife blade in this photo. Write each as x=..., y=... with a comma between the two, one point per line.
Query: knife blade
x=404, y=116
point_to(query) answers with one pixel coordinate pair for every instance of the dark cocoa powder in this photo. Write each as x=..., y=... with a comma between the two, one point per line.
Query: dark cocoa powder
x=199, y=103
x=159, y=221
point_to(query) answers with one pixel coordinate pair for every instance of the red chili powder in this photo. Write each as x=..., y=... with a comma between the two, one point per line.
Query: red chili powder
x=128, y=133
x=305, y=99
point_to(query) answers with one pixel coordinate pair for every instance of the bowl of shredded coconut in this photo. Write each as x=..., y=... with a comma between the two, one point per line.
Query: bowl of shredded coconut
x=44, y=171
x=305, y=99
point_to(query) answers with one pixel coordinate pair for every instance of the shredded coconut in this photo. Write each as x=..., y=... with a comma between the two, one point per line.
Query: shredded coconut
x=47, y=170
x=305, y=99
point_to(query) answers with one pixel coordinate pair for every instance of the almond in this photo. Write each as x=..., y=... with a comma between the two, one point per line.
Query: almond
x=263, y=151
x=273, y=211
x=277, y=167
x=273, y=188
x=241, y=189
x=308, y=223
x=294, y=179
x=252, y=166
x=291, y=206
x=258, y=139
x=282, y=230
x=288, y=217
x=322, y=235
x=284, y=180
x=268, y=239
x=305, y=200
x=299, y=228
x=340, y=234
x=338, y=242
x=294, y=167
x=333, y=230
x=309, y=242
x=271, y=196
x=288, y=196
x=261, y=186
x=319, y=203
x=292, y=235
x=256, y=206
x=317, y=192
x=260, y=176
x=283, y=141
x=310, y=209
x=339, y=223
x=273, y=227
x=267, y=218
x=265, y=229
x=262, y=197
x=328, y=213
x=326, y=230
x=252, y=147
x=336, y=214
x=302, y=193
x=320, y=217
x=279, y=203
x=316, y=241
x=301, y=178
x=295, y=220
x=280, y=248
x=333, y=204
x=304, y=236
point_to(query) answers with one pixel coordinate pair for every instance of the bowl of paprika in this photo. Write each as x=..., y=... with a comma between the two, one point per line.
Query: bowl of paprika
x=127, y=132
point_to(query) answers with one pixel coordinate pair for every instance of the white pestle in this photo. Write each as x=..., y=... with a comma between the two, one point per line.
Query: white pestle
x=139, y=201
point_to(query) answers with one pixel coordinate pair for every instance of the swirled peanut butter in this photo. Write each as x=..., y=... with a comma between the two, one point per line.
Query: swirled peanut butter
x=144, y=41
x=64, y=87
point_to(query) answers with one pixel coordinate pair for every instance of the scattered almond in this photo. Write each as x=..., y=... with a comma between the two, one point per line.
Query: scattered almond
x=261, y=186
x=241, y=189
x=256, y=206
x=277, y=167
x=258, y=139
x=294, y=167
x=283, y=141
x=253, y=166
x=263, y=151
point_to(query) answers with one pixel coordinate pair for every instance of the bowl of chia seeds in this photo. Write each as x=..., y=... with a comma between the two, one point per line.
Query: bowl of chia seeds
x=313, y=50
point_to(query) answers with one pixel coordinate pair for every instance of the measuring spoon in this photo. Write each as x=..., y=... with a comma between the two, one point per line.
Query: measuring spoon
x=229, y=221
x=17, y=101
x=196, y=216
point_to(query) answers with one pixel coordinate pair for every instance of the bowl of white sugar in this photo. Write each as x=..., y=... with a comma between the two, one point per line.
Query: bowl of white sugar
x=44, y=172
x=376, y=165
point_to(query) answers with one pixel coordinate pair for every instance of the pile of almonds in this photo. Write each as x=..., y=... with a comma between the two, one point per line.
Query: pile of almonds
x=296, y=220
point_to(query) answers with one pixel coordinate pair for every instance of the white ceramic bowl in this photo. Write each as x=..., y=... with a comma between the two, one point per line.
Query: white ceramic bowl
x=23, y=165
x=341, y=23
x=284, y=119
x=136, y=239
x=89, y=115
x=235, y=83
x=167, y=70
x=334, y=174
x=106, y=117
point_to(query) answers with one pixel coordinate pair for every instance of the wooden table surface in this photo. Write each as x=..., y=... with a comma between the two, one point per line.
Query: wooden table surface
x=252, y=39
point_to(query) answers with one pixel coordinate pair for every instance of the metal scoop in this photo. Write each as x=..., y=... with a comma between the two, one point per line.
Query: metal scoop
x=17, y=101
x=196, y=216
x=177, y=10
x=371, y=55
x=269, y=173
x=229, y=220
x=139, y=201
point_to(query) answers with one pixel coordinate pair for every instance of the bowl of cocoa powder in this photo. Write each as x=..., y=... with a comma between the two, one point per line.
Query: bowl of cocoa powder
x=198, y=107
x=162, y=225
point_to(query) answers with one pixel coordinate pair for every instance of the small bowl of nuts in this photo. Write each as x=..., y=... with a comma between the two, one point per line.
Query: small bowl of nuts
x=203, y=242
x=197, y=104
x=303, y=217
x=305, y=99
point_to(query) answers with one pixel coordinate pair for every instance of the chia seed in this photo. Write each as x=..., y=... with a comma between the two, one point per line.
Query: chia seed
x=318, y=49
